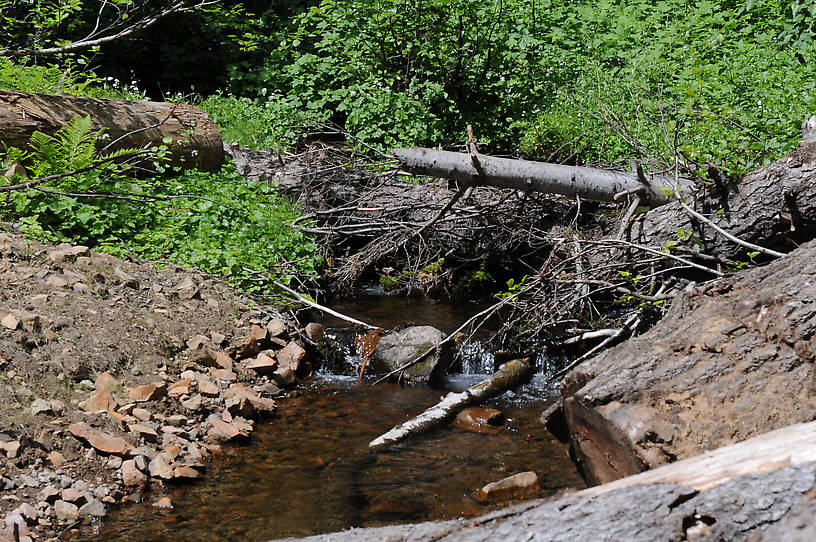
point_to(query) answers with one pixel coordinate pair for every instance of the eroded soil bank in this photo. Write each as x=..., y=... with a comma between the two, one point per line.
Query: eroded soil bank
x=116, y=377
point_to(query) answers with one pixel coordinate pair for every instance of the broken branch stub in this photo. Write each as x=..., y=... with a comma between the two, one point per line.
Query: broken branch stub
x=590, y=183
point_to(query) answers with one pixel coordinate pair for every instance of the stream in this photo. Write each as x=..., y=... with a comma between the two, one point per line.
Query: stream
x=309, y=471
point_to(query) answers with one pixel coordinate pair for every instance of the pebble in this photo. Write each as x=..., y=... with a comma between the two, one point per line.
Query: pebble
x=66, y=512
x=164, y=503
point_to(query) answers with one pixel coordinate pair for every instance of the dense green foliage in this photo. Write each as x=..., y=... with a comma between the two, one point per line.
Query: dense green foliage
x=727, y=81
x=214, y=221
x=720, y=81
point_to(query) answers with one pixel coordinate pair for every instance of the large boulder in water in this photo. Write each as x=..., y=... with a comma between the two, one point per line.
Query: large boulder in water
x=397, y=348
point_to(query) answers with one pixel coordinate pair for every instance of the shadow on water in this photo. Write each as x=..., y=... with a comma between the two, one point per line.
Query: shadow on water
x=309, y=470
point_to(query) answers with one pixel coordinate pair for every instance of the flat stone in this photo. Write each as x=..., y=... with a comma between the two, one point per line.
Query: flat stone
x=284, y=376
x=182, y=387
x=199, y=341
x=193, y=403
x=262, y=364
x=159, y=466
x=10, y=322
x=118, y=418
x=60, y=255
x=131, y=475
x=10, y=448
x=142, y=414
x=248, y=345
x=100, y=401
x=183, y=472
x=176, y=420
x=223, y=375
x=92, y=509
x=50, y=494
x=56, y=282
x=127, y=279
x=66, y=512
x=72, y=494
x=223, y=431
x=40, y=406
x=480, y=419
x=99, y=440
x=148, y=392
x=208, y=389
x=56, y=459
x=276, y=327
x=107, y=381
x=291, y=356
x=143, y=431
x=28, y=512
x=164, y=503
x=314, y=331
x=518, y=486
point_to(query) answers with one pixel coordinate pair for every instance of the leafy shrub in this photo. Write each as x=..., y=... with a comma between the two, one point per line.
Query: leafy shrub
x=214, y=221
x=272, y=124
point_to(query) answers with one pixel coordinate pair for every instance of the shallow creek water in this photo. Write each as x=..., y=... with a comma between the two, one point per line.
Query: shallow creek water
x=309, y=470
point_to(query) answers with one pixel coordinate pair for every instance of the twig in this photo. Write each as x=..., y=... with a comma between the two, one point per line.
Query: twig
x=41, y=180
x=628, y=216
x=665, y=255
x=727, y=235
x=311, y=303
x=631, y=323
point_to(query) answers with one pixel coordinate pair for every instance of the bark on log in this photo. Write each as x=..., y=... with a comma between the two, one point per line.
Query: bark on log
x=597, y=184
x=774, y=206
x=196, y=139
x=732, y=359
x=508, y=375
x=729, y=494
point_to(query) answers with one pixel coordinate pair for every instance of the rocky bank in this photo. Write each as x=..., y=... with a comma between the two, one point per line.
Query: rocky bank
x=116, y=377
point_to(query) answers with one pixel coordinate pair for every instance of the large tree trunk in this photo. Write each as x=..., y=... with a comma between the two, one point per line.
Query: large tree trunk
x=598, y=184
x=774, y=206
x=732, y=359
x=729, y=494
x=196, y=141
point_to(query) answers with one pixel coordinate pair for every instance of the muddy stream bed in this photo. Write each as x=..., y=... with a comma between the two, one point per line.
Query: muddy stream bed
x=309, y=471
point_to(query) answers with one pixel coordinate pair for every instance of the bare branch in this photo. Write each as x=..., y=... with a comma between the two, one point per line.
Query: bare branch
x=177, y=6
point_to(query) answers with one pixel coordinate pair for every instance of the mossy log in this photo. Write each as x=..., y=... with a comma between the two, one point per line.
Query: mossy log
x=195, y=139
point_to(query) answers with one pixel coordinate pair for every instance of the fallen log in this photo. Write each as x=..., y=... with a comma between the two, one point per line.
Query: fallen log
x=773, y=206
x=507, y=376
x=731, y=359
x=728, y=494
x=591, y=183
x=195, y=141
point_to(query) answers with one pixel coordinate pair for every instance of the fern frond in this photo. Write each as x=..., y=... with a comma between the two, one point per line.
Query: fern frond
x=77, y=139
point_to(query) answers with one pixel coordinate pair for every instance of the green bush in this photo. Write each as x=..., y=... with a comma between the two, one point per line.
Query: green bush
x=273, y=124
x=214, y=221
x=729, y=81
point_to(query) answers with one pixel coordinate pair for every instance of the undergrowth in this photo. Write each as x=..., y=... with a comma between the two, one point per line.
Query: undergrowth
x=213, y=221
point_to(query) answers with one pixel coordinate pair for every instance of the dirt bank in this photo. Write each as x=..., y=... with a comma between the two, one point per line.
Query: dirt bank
x=116, y=377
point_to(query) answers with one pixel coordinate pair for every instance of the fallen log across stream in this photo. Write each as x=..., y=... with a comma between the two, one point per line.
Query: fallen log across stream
x=731, y=493
x=505, y=378
x=591, y=183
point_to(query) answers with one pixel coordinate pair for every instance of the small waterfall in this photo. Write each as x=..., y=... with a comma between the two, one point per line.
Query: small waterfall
x=476, y=359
